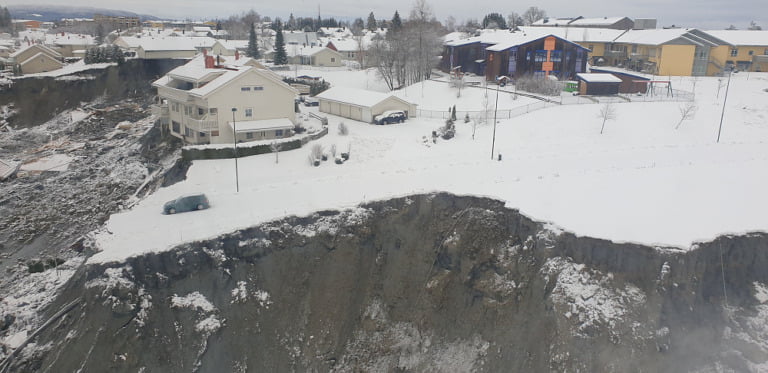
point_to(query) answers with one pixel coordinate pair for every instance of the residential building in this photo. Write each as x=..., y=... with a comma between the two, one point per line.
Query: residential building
x=117, y=22
x=747, y=49
x=678, y=52
x=515, y=54
x=168, y=47
x=315, y=56
x=36, y=59
x=203, y=102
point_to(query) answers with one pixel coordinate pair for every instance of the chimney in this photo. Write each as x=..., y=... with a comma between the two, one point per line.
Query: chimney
x=237, y=55
x=209, y=62
x=205, y=52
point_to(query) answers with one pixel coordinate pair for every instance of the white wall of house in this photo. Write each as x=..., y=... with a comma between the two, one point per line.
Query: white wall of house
x=39, y=63
x=152, y=54
x=327, y=57
x=274, y=100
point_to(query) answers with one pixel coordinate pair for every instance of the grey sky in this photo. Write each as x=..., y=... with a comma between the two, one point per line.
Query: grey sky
x=688, y=13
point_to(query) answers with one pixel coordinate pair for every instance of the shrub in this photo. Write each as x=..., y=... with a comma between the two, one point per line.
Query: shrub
x=541, y=86
x=343, y=130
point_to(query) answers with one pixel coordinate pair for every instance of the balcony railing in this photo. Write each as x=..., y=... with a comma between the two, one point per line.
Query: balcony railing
x=160, y=110
x=202, y=125
x=611, y=53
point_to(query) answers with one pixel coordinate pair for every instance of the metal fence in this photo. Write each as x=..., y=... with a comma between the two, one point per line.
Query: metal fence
x=474, y=114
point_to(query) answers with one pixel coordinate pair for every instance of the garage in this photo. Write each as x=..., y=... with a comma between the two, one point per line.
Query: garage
x=597, y=84
x=361, y=105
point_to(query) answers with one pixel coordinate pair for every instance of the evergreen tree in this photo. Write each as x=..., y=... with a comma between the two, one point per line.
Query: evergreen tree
x=494, y=21
x=117, y=55
x=253, y=46
x=281, y=57
x=397, y=24
x=291, y=23
x=371, y=24
x=99, y=34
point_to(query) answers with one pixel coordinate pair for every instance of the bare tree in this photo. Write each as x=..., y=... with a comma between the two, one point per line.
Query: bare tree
x=608, y=112
x=450, y=24
x=687, y=112
x=533, y=14
x=343, y=129
x=514, y=20
x=276, y=147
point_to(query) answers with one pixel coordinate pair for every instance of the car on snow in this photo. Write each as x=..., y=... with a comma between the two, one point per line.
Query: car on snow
x=311, y=101
x=391, y=116
x=186, y=203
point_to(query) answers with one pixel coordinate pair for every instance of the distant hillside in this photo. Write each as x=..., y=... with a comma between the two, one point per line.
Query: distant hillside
x=54, y=13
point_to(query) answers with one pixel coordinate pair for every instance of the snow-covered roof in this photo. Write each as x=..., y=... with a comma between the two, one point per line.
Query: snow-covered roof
x=300, y=37
x=662, y=36
x=263, y=125
x=70, y=39
x=339, y=32
x=578, y=34
x=194, y=70
x=177, y=43
x=742, y=37
x=605, y=21
x=519, y=38
x=42, y=48
x=598, y=78
x=553, y=21
x=359, y=97
x=201, y=29
x=293, y=51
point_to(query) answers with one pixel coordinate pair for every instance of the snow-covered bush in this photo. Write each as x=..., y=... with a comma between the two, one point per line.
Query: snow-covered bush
x=448, y=131
x=540, y=86
x=343, y=130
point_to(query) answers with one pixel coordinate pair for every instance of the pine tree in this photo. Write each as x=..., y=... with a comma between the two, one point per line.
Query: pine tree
x=281, y=57
x=253, y=46
x=99, y=34
x=371, y=24
x=397, y=24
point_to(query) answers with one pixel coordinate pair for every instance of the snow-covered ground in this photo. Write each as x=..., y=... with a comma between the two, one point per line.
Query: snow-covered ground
x=642, y=180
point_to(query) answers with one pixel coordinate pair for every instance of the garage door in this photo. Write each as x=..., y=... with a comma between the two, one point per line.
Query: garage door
x=335, y=108
x=357, y=113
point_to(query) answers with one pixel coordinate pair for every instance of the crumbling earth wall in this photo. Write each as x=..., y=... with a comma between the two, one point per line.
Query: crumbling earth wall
x=427, y=283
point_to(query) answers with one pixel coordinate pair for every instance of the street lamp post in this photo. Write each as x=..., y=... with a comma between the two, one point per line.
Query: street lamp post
x=722, y=113
x=234, y=131
x=499, y=80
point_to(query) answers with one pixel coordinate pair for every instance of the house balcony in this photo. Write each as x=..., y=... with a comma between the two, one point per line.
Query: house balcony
x=611, y=53
x=161, y=111
x=202, y=125
x=760, y=59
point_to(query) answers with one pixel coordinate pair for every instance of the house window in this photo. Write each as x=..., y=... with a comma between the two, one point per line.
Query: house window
x=279, y=133
x=541, y=56
x=556, y=56
x=248, y=112
x=249, y=135
x=245, y=89
x=187, y=132
x=201, y=134
x=734, y=52
x=201, y=111
x=258, y=88
x=175, y=126
x=333, y=59
x=175, y=106
x=591, y=47
x=213, y=111
x=187, y=110
x=215, y=133
x=751, y=52
x=765, y=52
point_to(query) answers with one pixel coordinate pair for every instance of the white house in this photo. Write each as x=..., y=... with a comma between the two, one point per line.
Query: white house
x=204, y=102
x=315, y=56
x=361, y=105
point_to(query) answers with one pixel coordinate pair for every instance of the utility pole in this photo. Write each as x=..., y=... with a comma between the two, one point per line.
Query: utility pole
x=499, y=80
x=234, y=131
x=722, y=113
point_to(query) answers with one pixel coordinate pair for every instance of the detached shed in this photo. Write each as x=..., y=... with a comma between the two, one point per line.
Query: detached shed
x=361, y=105
x=597, y=84
x=630, y=83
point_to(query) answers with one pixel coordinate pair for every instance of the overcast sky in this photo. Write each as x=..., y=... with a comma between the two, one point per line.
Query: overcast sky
x=687, y=13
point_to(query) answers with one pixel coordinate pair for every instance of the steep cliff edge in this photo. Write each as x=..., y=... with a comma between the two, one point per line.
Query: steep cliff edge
x=425, y=283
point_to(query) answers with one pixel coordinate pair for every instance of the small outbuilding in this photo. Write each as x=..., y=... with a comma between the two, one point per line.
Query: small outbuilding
x=361, y=105
x=630, y=82
x=597, y=84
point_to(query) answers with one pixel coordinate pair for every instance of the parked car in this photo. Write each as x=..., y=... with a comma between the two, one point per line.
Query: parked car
x=311, y=101
x=391, y=116
x=186, y=203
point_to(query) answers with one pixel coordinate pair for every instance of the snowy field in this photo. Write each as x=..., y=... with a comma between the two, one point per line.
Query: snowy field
x=641, y=181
